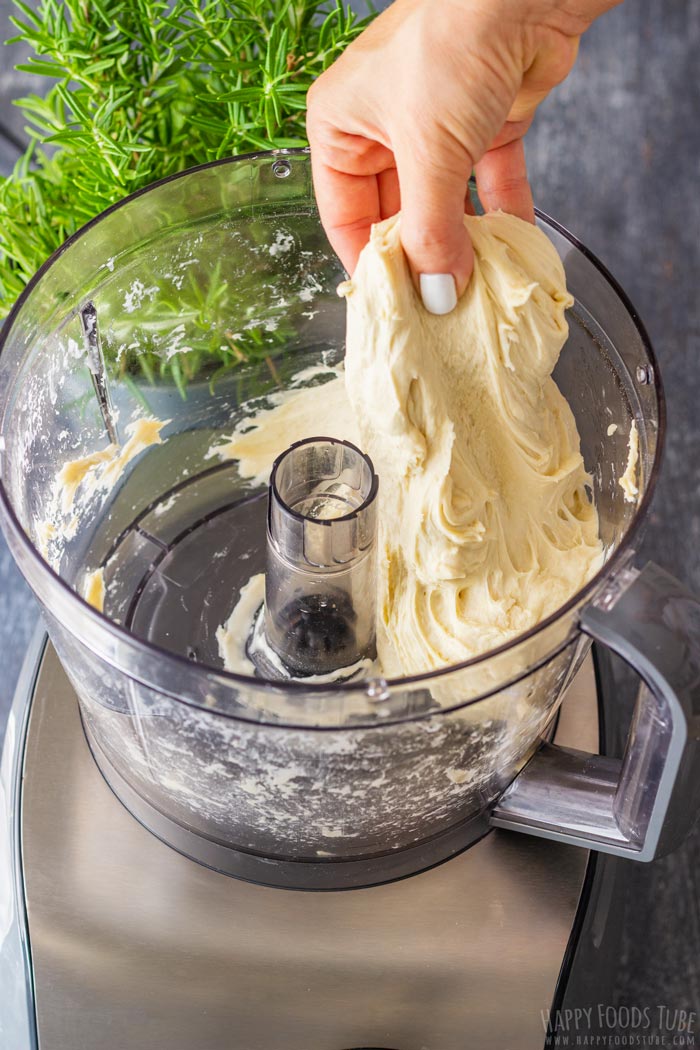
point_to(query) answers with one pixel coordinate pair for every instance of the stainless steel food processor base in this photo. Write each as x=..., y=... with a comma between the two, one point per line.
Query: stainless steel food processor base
x=135, y=942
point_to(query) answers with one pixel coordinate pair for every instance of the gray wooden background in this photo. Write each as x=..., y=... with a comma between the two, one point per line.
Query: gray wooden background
x=615, y=156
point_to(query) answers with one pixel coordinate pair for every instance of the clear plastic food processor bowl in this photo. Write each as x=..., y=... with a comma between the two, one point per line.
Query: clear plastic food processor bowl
x=196, y=302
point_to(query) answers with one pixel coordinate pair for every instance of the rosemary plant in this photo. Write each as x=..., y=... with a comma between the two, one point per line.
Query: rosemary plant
x=145, y=88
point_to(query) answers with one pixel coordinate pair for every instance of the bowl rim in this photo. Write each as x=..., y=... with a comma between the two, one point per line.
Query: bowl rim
x=103, y=623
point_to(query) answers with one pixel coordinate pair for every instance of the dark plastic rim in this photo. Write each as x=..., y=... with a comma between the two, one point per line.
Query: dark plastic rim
x=102, y=622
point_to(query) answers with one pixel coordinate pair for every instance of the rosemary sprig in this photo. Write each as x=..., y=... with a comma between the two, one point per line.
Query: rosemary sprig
x=145, y=88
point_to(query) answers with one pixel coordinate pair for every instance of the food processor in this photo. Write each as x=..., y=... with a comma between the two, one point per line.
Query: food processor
x=156, y=803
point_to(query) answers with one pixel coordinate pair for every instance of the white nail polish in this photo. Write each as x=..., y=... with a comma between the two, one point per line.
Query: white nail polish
x=438, y=292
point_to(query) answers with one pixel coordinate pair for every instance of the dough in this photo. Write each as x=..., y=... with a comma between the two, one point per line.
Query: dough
x=486, y=525
x=104, y=468
x=94, y=589
x=300, y=415
x=80, y=479
x=628, y=481
x=237, y=644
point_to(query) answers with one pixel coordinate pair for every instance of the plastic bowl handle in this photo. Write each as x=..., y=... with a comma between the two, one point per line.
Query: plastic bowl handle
x=643, y=805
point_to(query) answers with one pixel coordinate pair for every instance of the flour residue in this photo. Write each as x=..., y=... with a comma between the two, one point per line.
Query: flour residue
x=233, y=635
x=135, y=295
x=283, y=243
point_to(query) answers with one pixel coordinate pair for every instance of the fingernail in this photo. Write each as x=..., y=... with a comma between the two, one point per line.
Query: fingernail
x=438, y=292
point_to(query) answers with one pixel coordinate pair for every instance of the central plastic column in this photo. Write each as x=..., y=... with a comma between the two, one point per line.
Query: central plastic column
x=320, y=579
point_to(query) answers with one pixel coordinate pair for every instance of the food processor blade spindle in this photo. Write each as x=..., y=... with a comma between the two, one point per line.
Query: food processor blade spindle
x=320, y=585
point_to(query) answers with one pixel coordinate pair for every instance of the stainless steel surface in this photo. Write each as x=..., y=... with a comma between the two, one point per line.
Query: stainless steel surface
x=17, y=1027
x=135, y=946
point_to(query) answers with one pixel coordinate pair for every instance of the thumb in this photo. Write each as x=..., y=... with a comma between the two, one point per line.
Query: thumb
x=433, y=233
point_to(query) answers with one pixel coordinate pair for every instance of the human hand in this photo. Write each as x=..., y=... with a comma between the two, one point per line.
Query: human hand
x=432, y=90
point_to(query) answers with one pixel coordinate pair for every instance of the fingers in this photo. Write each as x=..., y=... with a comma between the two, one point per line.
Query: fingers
x=501, y=178
x=432, y=228
x=389, y=192
x=433, y=233
x=345, y=171
x=348, y=206
x=352, y=154
x=432, y=224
